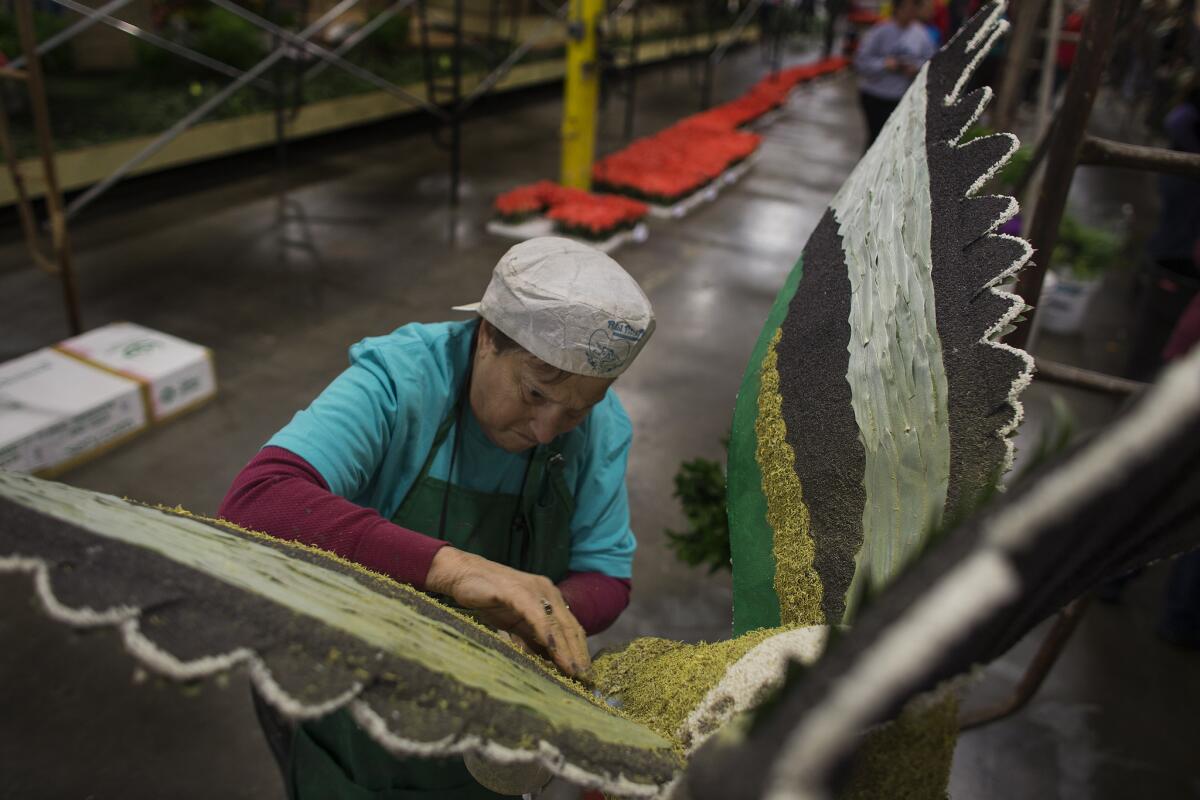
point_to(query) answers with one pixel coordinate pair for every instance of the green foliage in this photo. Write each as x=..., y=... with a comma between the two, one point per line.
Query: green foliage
x=1012, y=174
x=391, y=36
x=700, y=487
x=61, y=59
x=214, y=32
x=1084, y=252
x=229, y=38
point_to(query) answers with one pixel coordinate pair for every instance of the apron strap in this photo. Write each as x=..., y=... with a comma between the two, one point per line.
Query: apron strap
x=438, y=439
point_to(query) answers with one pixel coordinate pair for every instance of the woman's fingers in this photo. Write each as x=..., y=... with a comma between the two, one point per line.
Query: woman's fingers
x=552, y=625
x=530, y=605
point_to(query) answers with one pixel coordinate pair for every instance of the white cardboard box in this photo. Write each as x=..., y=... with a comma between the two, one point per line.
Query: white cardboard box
x=56, y=412
x=177, y=375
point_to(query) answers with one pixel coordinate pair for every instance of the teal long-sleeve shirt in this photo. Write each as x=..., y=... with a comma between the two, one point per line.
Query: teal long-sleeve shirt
x=369, y=432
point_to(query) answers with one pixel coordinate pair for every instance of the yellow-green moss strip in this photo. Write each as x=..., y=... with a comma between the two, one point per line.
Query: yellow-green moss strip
x=909, y=757
x=797, y=584
x=659, y=682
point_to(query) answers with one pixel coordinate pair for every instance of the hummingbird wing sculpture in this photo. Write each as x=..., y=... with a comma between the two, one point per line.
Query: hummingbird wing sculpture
x=193, y=598
x=879, y=399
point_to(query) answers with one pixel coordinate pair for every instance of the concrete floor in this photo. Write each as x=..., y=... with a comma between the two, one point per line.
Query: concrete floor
x=279, y=284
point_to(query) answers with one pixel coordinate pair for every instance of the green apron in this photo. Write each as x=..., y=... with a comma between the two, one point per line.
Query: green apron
x=331, y=757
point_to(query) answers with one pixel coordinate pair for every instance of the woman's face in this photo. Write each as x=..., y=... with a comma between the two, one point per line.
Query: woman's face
x=519, y=400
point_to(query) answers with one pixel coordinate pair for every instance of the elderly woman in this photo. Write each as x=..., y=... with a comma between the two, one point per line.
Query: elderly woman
x=483, y=461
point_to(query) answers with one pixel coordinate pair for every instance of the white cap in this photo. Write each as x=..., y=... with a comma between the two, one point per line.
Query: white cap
x=568, y=304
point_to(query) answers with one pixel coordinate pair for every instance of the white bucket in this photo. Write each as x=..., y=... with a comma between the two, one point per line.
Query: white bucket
x=1064, y=302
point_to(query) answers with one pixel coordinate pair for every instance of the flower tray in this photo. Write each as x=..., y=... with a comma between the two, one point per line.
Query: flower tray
x=604, y=241
x=544, y=208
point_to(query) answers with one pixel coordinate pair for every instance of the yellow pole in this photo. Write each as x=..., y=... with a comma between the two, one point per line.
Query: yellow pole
x=581, y=95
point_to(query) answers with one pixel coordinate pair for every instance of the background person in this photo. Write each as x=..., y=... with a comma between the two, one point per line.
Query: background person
x=888, y=58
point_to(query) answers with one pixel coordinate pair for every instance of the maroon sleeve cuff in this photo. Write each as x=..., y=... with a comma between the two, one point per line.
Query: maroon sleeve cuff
x=399, y=552
x=281, y=494
x=595, y=599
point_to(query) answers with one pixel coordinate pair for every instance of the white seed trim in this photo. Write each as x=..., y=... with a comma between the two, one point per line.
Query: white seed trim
x=546, y=754
x=77, y=617
x=762, y=668
x=989, y=31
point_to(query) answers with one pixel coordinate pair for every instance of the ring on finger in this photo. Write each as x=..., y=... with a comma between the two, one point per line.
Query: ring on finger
x=547, y=607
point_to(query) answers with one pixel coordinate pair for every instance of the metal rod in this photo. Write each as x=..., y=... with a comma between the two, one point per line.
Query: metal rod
x=1098, y=31
x=548, y=7
x=736, y=31
x=1079, y=378
x=278, y=98
x=719, y=51
x=1019, y=47
x=303, y=43
x=25, y=211
x=91, y=17
x=631, y=70
x=623, y=8
x=359, y=35
x=1046, y=86
x=1047, y=655
x=158, y=41
x=708, y=76
x=59, y=240
x=516, y=55
x=195, y=115
x=1107, y=153
x=833, y=10
x=457, y=113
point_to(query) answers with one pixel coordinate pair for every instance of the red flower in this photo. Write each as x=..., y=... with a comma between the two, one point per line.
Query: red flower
x=573, y=209
x=674, y=162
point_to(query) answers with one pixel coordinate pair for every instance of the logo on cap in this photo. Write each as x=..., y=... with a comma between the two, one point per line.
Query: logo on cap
x=620, y=329
x=609, y=349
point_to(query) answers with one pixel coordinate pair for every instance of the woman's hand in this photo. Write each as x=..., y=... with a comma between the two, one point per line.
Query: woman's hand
x=524, y=605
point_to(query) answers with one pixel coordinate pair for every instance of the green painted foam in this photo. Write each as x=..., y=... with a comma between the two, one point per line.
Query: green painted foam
x=755, y=604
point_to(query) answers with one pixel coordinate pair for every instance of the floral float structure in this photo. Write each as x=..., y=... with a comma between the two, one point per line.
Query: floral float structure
x=604, y=221
x=872, y=426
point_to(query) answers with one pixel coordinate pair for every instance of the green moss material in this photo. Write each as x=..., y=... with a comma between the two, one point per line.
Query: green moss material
x=909, y=757
x=797, y=584
x=659, y=682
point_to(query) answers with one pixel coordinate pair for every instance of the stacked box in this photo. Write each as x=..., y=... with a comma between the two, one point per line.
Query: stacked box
x=176, y=375
x=60, y=406
x=56, y=412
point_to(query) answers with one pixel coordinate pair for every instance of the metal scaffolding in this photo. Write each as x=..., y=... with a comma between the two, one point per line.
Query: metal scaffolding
x=445, y=101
